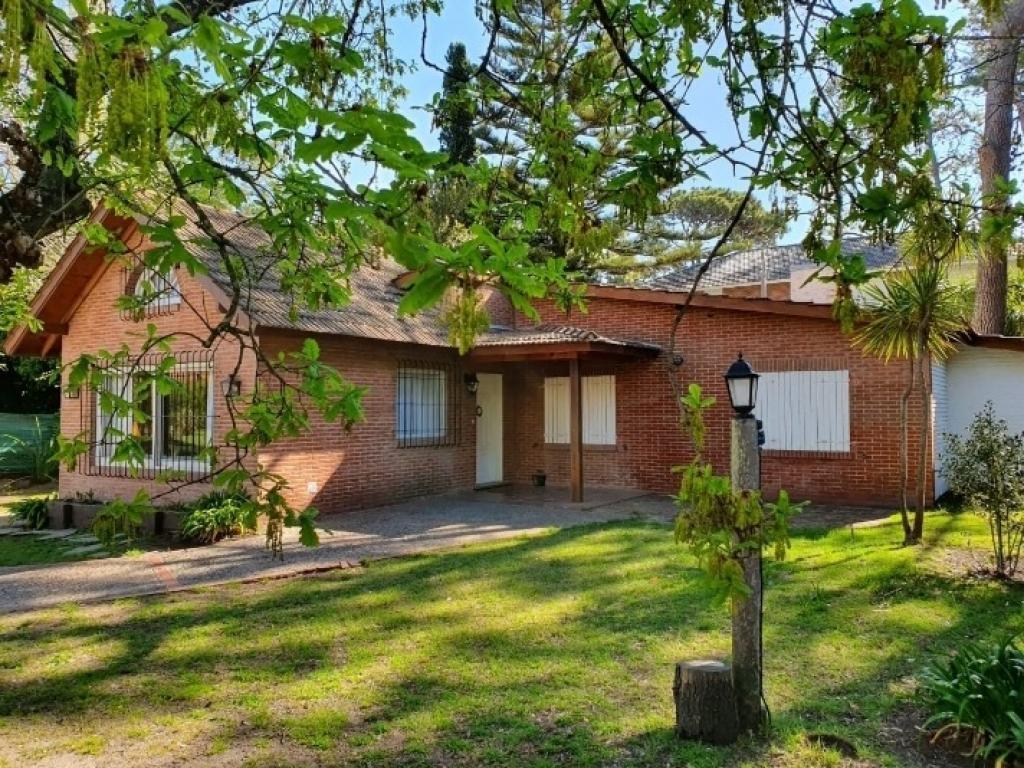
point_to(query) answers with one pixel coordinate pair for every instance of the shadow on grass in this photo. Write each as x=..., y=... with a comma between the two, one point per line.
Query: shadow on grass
x=546, y=651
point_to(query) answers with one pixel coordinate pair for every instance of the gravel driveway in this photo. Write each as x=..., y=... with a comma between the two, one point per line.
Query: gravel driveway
x=417, y=526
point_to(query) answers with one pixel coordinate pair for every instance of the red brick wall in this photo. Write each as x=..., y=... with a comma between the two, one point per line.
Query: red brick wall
x=498, y=307
x=649, y=441
x=96, y=325
x=365, y=467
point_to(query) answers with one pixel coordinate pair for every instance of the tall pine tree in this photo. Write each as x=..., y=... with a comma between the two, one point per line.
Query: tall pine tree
x=549, y=112
x=456, y=109
x=552, y=88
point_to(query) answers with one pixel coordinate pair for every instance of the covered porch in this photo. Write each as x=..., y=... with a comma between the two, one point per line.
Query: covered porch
x=521, y=434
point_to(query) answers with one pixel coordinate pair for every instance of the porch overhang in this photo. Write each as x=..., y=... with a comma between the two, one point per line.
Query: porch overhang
x=556, y=343
x=561, y=343
x=578, y=351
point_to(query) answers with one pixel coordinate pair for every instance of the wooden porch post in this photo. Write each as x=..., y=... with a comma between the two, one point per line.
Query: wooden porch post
x=575, y=430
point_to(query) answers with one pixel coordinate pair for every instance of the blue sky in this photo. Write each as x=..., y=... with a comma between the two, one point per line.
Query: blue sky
x=458, y=23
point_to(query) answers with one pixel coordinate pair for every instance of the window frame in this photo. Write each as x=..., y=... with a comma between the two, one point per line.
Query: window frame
x=167, y=298
x=155, y=461
x=442, y=431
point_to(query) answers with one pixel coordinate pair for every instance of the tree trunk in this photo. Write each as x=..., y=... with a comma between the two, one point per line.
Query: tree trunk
x=908, y=533
x=994, y=164
x=1000, y=556
x=922, y=452
x=44, y=200
x=705, y=705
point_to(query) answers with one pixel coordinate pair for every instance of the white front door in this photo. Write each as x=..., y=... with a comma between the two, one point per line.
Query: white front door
x=488, y=429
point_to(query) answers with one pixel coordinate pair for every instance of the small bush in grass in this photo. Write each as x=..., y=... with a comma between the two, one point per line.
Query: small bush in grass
x=980, y=690
x=986, y=468
x=216, y=515
x=35, y=513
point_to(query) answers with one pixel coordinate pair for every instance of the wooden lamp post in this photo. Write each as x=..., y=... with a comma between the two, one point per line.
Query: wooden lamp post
x=745, y=470
x=716, y=702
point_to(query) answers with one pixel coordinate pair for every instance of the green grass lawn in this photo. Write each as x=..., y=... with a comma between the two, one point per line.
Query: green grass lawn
x=28, y=550
x=551, y=651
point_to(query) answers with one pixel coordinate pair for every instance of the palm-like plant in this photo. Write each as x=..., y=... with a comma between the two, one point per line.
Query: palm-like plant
x=914, y=314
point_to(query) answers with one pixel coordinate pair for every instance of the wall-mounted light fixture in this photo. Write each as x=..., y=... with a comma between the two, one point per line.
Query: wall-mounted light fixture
x=472, y=383
x=231, y=386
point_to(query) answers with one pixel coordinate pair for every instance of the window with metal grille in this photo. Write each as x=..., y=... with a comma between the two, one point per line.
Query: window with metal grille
x=598, y=409
x=173, y=424
x=157, y=294
x=426, y=405
x=805, y=410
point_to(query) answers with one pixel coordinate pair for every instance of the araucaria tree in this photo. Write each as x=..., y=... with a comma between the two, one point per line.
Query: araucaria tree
x=275, y=107
x=986, y=468
x=456, y=113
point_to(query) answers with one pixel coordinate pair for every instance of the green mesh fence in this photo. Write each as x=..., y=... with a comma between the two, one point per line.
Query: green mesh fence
x=22, y=437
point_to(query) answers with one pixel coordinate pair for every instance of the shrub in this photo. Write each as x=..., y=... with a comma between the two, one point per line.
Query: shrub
x=38, y=449
x=986, y=468
x=216, y=515
x=980, y=690
x=117, y=518
x=34, y=512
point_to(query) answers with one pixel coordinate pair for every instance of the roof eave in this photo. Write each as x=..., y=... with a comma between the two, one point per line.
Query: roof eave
x=562, y=351
x=993, y=341
x=22, y=341
x=706, y=301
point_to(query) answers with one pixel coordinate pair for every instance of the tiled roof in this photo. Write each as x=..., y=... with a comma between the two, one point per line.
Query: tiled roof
x=552, y=334
x=769, y=264
x=372, y=312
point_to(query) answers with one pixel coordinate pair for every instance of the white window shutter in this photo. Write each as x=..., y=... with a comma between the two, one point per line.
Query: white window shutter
x=805, y=410
x=599, y=410
x=556, y=409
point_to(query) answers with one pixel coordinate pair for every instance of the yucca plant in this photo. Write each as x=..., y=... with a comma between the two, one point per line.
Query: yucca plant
x=913, y=314
x=39, y=449
x=979, y=691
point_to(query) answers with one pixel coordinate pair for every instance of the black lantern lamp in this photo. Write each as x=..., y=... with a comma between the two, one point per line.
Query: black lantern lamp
x=741, y=382
x=472, y=383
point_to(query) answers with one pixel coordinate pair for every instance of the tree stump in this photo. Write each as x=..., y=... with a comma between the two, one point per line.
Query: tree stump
x=705, y=702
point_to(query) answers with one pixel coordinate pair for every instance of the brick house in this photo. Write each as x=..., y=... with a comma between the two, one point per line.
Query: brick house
x=830, y=413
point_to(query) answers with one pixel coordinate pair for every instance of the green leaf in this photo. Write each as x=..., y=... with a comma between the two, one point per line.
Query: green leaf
x=427, y=290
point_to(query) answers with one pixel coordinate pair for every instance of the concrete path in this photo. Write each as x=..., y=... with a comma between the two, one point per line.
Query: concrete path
x=437, y=522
